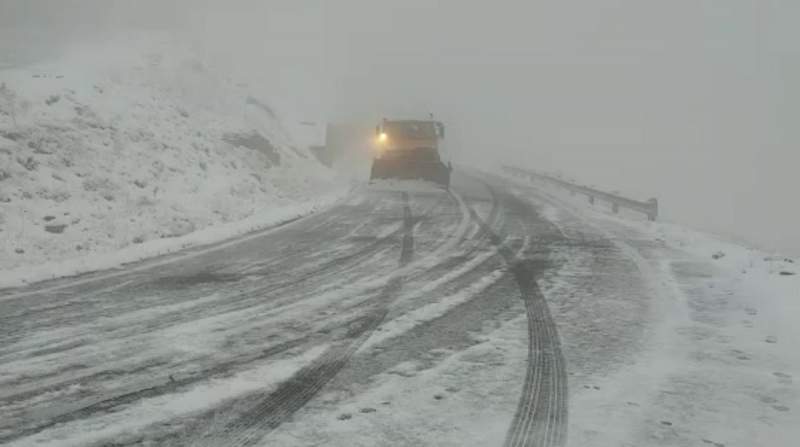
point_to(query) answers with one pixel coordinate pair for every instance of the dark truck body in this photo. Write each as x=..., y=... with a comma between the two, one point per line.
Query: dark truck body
x=409, y=150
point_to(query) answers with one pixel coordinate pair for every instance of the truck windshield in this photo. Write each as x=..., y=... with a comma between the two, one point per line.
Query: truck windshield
x=411, y=129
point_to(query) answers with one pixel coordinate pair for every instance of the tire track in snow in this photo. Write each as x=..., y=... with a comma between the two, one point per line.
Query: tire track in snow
x=276, y=407
x=541, y=415
x=335, y=268
x=94, y=405
x=444, y=274
x=169, y=384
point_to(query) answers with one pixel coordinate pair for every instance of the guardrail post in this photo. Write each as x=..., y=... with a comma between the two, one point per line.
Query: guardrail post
x=649, y=208
x=652, y=213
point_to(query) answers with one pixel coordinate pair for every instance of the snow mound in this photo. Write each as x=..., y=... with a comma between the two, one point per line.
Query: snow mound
x=132, y=142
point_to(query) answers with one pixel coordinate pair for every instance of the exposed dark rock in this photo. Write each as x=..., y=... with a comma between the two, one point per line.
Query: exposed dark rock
x=28, y=163
x=11, y=135
x=256, y=142
x=55, y=229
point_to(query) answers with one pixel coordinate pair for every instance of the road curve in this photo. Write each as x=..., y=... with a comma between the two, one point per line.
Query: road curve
x=226, y=345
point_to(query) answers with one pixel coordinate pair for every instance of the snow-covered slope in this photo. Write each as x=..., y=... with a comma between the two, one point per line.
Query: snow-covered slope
x=134, y=141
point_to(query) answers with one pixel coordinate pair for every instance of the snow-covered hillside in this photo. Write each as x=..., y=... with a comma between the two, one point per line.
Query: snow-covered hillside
x=133, y=141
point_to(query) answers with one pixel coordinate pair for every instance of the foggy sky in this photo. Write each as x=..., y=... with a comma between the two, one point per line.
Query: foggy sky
x=694, y=102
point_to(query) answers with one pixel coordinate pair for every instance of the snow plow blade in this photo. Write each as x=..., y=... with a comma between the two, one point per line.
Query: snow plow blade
x=410, y=170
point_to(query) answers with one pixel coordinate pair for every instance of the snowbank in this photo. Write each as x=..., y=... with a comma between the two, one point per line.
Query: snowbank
x=733, y=344
x=135, y=144
x=28, y=274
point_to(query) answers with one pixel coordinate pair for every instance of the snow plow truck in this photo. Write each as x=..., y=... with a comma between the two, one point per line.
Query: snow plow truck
x=410, y=149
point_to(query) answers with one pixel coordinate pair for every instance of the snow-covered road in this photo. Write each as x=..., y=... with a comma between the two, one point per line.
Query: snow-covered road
x=401, y=316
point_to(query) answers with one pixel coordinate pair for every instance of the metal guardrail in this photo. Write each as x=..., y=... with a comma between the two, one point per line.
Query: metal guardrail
x=649, y=208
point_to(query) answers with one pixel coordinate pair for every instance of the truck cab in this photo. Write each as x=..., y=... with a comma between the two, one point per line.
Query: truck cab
x=409, y=149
